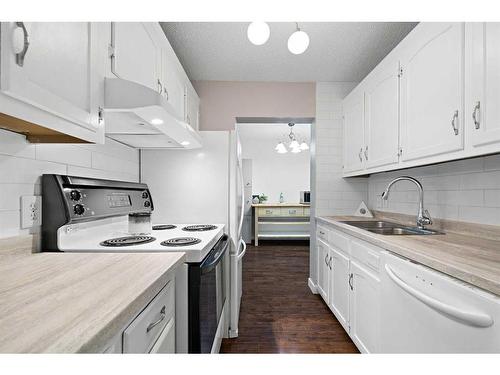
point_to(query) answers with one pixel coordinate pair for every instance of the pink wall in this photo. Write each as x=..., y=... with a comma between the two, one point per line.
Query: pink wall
x=223, y=101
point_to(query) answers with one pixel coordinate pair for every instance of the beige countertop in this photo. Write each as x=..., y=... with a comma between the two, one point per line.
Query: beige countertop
x=68, y=302
x=281, y=205
x=470, y=253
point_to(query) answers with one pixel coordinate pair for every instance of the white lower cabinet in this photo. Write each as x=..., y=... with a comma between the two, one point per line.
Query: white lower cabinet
x=323, y=252
x=349, y=283
x=364, y=308
x=339, y=287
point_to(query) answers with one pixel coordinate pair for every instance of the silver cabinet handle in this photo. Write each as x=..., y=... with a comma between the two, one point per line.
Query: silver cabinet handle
x=165, y=91
x=20, y=55
x=360, y=154
x=160, y=86
x=154, y=324
x=366, y=153
x=321, y=232
x=454, y=122
x=475, y=114
x=326, y=257
x=330, y=263
x=350, y=281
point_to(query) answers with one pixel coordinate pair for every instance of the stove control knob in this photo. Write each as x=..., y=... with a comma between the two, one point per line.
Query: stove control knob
x=145, y=195
x=75, y=195
x=147, y=204
x=79, y=209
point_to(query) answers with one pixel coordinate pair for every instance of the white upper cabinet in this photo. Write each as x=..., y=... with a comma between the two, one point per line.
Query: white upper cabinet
x=55, y=71
x=354, y=119
x=382, y=116
x=432, y=86
x=192, y=108
x=483, y=97
x=172, y=83
x=135, y=55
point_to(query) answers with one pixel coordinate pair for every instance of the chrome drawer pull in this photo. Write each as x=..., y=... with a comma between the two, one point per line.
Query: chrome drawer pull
x=154, y=324
x=454, y=122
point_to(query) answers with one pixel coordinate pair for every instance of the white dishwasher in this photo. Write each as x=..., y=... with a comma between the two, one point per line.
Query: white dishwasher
x=425, y=311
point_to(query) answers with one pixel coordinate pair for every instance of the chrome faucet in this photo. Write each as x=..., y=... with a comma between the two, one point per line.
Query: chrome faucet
x=423, y=217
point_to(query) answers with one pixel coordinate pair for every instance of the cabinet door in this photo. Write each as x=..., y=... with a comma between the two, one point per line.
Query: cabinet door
x=323, y=269
x=173, y=84
x=60, y=73
x=432, y=91
x=192, y=108
x=364, y=309
x=382, y=117
x=136, y=55
x=483, y=99
x=354, y=144
x=339, y=287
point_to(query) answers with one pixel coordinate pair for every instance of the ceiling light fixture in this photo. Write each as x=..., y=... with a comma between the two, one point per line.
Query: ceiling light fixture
x=294, y=145
x=258, y=33
x=298, y=41
x=185, y=143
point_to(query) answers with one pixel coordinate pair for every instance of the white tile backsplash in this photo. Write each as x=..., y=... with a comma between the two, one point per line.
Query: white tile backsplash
x=465, y=190
x=22, y=164
x=334, y=195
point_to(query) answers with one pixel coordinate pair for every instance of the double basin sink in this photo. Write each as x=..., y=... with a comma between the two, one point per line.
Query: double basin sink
x=390, y=229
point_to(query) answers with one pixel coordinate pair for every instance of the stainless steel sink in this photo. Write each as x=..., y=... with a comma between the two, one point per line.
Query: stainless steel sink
x=390, y=229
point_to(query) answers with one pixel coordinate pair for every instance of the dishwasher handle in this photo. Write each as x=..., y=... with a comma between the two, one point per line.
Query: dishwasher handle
x=476, y=319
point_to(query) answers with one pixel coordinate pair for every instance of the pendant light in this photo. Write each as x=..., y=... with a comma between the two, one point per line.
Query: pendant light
x=298, y=41
x=258, y=33
x=293, y=144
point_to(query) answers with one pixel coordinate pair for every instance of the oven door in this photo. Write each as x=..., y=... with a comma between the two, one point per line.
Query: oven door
x=207, y=296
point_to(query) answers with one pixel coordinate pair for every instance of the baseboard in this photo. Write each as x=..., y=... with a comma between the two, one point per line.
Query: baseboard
x=312, y=286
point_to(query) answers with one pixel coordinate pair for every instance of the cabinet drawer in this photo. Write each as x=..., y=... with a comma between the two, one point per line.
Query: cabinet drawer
x=366, y=254
x=307, y=211
x=339, y=241
x=269, y=211
x=322, y=233
x=292, y=211
x=143, y=332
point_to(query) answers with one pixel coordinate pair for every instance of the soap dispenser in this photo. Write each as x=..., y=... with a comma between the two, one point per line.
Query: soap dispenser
x=282, y=199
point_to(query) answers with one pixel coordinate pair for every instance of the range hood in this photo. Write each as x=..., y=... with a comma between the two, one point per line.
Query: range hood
x=142, y=118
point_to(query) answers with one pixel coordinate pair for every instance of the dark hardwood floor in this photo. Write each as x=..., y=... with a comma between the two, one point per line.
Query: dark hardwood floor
x=279, y=314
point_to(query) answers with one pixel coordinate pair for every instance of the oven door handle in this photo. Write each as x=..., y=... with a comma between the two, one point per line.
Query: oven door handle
x=219, y=250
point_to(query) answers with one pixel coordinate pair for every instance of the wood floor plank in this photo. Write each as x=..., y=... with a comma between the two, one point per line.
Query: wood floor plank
x=279, y=314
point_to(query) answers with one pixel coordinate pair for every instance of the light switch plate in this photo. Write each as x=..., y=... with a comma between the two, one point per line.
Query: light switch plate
x=31, y=211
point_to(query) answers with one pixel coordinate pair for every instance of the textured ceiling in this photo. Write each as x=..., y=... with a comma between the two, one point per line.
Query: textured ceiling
x=338, y=51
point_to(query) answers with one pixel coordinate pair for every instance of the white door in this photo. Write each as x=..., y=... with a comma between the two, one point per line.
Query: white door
x=432, y=91
x=136, y=55
x=483, y=100
x=173, y=84
x=354, y=143
x=58, y=71
x=323, y=252
x=382, y=117
x=364, y=309
x=339, y=287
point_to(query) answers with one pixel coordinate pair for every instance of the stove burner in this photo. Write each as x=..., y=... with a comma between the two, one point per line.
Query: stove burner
x=164, y=227
x=199, y=228
x=181, y=241
x=128, y=241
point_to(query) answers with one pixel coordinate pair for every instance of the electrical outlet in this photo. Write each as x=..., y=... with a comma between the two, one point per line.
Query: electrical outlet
x=31, y=211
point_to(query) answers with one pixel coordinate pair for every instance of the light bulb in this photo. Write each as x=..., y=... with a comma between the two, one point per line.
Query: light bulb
x=278, y=146
x=298, y=42
x=282, y=151
x=185, y=143
x=157, y=121
x=304, y=146
x=294, y=144
x=258, y=33
x=296, y=150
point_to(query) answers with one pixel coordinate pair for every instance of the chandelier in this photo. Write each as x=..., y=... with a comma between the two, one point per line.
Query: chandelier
x=295, y=144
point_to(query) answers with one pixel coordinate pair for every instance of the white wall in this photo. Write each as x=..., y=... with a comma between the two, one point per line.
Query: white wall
x=273, y=173
x=464, y=190
x=22, y=164
x=334, y=194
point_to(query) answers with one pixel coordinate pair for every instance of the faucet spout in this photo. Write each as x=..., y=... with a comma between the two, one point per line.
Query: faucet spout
x=423, y=217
